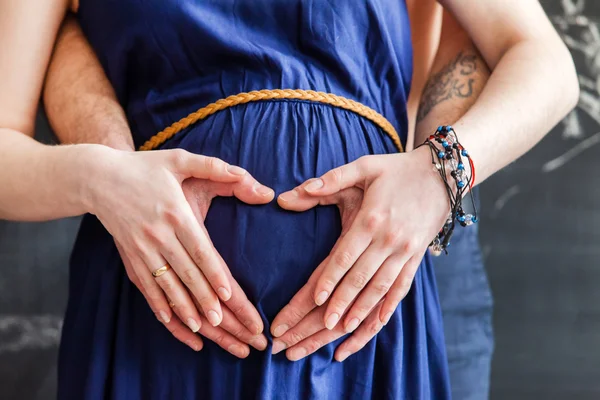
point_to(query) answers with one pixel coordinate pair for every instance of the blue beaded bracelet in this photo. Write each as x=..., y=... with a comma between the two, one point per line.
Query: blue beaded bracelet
x=450, y=158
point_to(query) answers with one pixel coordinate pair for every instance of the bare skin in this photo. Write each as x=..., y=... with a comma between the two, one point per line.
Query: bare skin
x=519, y=45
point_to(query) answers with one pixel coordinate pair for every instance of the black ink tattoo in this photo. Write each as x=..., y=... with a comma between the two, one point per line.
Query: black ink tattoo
x=454, y=80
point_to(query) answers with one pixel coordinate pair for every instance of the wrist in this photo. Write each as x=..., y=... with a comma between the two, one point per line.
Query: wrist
x=87, y=164
x=430, y=176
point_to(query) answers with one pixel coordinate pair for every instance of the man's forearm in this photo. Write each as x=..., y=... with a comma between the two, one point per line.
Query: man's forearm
x=80, y=102
x=457, y=78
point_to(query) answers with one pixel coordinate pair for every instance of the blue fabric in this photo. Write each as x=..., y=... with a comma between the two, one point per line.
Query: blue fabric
x=168, y=58
x=467, y=304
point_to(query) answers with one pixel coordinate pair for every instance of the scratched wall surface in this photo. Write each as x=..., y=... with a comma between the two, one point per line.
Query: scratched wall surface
x=540, y=236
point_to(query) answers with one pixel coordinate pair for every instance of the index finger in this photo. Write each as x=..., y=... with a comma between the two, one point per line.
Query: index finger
x=299, y=306
x=204, y=167
x=201, y=250
x=351, y=246
x=243, y=309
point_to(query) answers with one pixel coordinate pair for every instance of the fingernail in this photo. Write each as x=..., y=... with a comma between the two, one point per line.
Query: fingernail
x=332, y=320
x=352, y=325
x=259, y=342
x=224, y=293
x=238, y=350
x=280, y=330
x=193, y=325
x=314, y=185
x=235, y=170
x=193, y=345
x=321, y=298
x=278, y=345
x=288, y=196
x=386, y=318
x=297, y=354
x=165, y=317
x=213, y=318
x=343, y=355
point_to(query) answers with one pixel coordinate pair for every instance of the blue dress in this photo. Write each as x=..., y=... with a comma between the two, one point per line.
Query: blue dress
x=168, y=58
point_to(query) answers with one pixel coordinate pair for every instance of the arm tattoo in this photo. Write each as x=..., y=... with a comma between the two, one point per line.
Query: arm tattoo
x=453, y=80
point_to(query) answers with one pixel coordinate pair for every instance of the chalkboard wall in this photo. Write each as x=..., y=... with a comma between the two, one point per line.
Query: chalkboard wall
x=539, y=233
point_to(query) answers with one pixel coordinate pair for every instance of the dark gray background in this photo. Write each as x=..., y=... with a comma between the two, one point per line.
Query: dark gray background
x=539, y=234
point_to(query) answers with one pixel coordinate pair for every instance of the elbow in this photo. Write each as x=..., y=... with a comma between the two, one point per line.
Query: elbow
x=570, y=80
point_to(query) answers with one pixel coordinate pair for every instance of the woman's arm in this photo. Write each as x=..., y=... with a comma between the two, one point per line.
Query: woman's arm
x=304, y=320
x=405, y=203
x=27, y=32
x=138, y=197
x=82, y=108
x=533, y=86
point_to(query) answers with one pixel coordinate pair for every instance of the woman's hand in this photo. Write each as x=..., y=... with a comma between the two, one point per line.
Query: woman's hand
x=140, y=200
x=300, y=326
x=404, y=206
x=231, y=335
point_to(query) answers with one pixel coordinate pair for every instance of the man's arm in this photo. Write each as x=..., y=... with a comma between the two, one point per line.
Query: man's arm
x=456, y=80
x=82, y=108
x=79, y=100
x=426, y=26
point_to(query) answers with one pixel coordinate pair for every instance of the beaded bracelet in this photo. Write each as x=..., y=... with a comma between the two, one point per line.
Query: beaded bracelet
x=447, y=152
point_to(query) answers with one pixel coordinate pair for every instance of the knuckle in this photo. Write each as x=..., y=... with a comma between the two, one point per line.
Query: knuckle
x=173, y=329
x=382, y=287
x=189, y=276
x=343, y=259
x=214, y=164
x=237, y=309
x=374, y=220
x=340, y=304
x=362, y=161
x=361, y=310
x=178, y=157
x=359, y=280
x=313, y=345
x=154, y=294
x=410, y=245
x=167, y=285
x=295, y=337
x=374, y=327
x=219, y=338
x=392, y=237
x=133, y=278
x=238, y=332
x=295, y=313
x=404, y=288
x=336, y=175
x=199, y=255
x=173, y=216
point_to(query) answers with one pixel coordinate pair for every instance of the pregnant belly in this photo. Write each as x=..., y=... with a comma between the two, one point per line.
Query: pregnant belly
x=272, y=252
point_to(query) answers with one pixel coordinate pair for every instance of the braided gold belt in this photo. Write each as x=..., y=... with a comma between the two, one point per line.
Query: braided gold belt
x=271, y=94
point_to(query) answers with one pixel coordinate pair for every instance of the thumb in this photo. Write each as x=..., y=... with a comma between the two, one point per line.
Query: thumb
x=247, y=189
x=340, y=178
x=189, y=165
x=299, y=200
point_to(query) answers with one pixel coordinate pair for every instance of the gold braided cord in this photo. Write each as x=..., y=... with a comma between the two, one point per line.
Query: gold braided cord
x=275, y=94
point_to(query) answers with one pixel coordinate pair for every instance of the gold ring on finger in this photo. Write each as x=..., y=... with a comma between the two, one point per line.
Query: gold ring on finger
x=161, y=270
